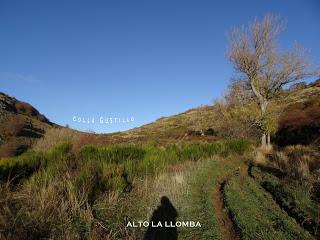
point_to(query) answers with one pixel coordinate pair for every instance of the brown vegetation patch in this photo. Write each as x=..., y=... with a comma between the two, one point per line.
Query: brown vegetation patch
x=300, y=123
x=17, y=134
x=12, y=148
x=27, y=109
x=13, y=127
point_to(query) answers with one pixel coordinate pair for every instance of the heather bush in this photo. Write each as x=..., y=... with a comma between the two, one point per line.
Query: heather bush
x=14, y=126
x=12, y=148
x=25, y=108
x=299, y=123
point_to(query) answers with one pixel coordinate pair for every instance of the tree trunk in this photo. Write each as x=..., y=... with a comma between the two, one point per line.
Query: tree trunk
x=268, y=140
x=263, y=107
x=263, y=140
x=265, y=136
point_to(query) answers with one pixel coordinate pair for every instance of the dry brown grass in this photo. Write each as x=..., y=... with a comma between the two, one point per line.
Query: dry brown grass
x=296, y=161
x=173, y=183
x=259, y=158
x=49, y=211
x=55, y=136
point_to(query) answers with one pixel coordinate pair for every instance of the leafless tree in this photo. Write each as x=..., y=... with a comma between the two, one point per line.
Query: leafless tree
x=255, y=55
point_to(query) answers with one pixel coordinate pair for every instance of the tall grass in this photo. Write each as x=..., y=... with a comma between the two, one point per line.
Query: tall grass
x=114, y=154
x=64, y=193
x=21, y=166
x=199, y=150
x=55, y=136
x=15, y=168
x=296, y=161
x=135, y=160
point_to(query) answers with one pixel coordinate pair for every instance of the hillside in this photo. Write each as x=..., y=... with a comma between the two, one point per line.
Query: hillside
x=203, y=123
x=20, y=125
x=194, y=124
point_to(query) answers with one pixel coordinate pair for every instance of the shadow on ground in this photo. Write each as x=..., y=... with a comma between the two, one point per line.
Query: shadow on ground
x=165, y=214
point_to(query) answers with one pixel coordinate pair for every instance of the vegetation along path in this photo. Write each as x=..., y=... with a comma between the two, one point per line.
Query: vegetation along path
x=256, y=214
x=205, y=202
x=231, y=205
x=228, y=227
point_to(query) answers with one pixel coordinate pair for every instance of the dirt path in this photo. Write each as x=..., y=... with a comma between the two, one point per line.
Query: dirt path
x=227, y=227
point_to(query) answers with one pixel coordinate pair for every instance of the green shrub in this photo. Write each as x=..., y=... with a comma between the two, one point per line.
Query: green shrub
x=96, y=177
x=21, y=166
x=237, y=146
x=44, y=166
x=60, y=150
x=135, y=160
x=158, y=159
x=203, y=150
x=114, y=154
x=153, y=162
x=191, y=152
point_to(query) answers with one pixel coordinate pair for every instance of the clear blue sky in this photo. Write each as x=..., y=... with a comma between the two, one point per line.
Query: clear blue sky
x=121, y=58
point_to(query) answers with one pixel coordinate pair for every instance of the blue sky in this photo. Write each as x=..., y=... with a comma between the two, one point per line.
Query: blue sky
x=144, y=59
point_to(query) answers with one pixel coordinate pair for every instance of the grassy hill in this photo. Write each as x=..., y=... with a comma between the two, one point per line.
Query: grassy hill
x=204, y=123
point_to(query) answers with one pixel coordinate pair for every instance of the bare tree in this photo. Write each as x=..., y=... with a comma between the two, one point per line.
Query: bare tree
x=254, y=53
x=238, y=93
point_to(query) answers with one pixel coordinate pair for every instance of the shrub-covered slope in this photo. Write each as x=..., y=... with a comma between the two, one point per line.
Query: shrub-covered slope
x=20, y=125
